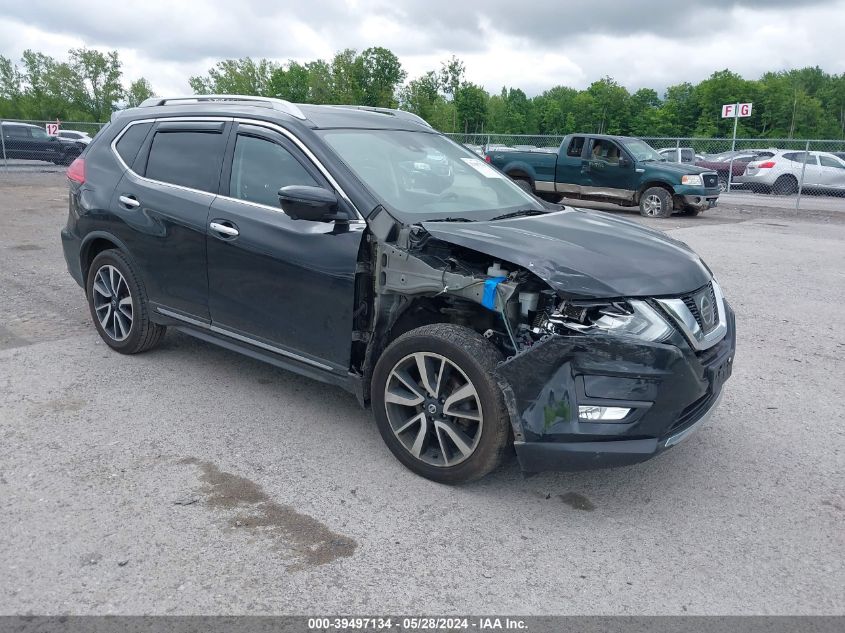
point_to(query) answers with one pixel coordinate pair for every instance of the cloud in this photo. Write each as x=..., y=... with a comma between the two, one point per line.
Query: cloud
x=534, y=46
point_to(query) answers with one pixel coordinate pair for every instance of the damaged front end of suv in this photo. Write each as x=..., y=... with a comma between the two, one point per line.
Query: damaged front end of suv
x=615, y=340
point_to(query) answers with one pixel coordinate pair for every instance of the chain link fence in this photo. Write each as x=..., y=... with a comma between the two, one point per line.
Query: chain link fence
x=42, y=145
x=757, y=167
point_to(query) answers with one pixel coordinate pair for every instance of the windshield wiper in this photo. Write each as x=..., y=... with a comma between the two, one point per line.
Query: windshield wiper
x=516, y=214
x=449, y=220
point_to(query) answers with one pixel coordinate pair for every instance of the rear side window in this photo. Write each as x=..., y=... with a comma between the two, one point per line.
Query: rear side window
x=186, y=158
x=800, y=157
x=131, y=142
x=17, y=131
x=576, y=145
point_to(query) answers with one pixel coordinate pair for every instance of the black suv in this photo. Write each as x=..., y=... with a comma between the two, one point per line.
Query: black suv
x=29, y=142
x=362, y=248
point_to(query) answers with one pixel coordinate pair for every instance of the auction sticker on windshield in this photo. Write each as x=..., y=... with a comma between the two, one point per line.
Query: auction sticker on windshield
x=483, y=168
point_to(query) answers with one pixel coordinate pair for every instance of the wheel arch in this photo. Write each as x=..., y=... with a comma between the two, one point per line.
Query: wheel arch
x=653, y=183
x=520, y=170
x=95, y=243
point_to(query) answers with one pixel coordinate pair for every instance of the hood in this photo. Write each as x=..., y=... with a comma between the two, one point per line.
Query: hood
x=585, y=253
x=681, y=169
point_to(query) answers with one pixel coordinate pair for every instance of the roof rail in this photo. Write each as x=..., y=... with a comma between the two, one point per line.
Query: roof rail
x=267, y=102
x=401, y=114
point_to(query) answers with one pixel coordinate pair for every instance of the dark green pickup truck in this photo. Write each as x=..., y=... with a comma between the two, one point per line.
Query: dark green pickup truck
x=618, y=169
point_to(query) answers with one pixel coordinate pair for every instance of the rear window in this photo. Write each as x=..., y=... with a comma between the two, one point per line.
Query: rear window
x=18, y=131
x=186, y=158
x=576, y=145
x=131, y=142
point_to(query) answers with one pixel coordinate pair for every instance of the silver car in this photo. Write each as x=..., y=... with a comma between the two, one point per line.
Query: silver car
x=781, y=173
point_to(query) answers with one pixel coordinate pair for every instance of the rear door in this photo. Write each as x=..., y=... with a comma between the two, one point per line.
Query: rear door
x=568, y=176
x=281, y=284
x=17, y=142
x=163, y=203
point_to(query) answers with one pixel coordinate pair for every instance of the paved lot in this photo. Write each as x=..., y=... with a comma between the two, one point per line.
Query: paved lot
x=193, y=480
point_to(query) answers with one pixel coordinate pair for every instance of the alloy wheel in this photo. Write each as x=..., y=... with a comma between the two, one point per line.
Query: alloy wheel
x=652, y=205
x=112, y=302
x=433, y=409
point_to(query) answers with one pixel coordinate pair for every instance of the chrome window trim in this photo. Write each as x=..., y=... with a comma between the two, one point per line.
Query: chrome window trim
x=682, y=316
x=240, y=337
x=272, y=126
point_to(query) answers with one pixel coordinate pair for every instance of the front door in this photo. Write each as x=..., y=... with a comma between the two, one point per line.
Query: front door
x=832, y=172
x=283, y=283
x=610, y=171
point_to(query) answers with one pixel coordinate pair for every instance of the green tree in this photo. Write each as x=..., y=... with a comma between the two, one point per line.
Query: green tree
x=243, y=76
x=380, y=75
x=610, y=107
x=138, y=91
x=98, y=88
x=470, y=103
x=290, y=82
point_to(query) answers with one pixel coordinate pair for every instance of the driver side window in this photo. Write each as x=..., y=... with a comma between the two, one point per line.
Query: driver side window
x=261, y=167
x=606, y=151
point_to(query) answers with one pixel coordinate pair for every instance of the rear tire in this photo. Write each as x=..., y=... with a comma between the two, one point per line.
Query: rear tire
x=524, y=185
x=656, y=202
x=451, y=426
x=785, y=185
x=118, y=304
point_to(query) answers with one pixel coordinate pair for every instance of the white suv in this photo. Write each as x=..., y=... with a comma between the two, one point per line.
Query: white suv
x=781, y=173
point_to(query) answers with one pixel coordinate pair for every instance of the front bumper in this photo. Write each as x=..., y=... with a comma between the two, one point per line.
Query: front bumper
x=670, y=389
x=701, y=201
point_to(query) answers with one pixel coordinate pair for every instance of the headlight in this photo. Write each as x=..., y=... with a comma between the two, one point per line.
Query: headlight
x=625, y=318
x=691, y=180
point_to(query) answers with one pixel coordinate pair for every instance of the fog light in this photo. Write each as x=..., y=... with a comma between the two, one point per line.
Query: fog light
x=602, y=414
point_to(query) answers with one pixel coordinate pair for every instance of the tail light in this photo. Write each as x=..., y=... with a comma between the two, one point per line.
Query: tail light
x=76, y=171
x=486, y=158
x=767, y=165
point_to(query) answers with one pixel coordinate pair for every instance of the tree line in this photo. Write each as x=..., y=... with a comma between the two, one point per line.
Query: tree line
x=802, y=103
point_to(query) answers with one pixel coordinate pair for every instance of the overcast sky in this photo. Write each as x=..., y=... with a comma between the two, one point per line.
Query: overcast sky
x=531, y=44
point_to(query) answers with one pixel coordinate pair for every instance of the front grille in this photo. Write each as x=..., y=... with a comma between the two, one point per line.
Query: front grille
x=702, y=306
x=711, y=180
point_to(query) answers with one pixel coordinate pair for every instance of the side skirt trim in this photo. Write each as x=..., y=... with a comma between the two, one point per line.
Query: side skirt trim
x=244, y=339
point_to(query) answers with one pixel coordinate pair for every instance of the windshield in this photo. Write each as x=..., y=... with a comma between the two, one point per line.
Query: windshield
x=427, y=175
x=641, y=150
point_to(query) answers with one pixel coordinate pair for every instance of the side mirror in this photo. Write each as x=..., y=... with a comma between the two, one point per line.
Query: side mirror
x=624, y=161
x=301, y=202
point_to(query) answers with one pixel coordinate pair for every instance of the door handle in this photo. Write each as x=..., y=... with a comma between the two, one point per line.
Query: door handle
x=224, y=229
x=129, y=201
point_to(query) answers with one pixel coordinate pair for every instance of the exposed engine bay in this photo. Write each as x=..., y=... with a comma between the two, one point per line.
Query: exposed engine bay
x=506, y=303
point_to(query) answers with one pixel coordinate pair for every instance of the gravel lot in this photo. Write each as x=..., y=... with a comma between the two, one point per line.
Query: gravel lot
x=193, y=480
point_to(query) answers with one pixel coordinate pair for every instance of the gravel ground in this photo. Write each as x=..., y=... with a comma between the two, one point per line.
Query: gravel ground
x=193, y=480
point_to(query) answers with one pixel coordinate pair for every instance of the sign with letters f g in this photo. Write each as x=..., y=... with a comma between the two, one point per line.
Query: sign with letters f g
x=732, y=110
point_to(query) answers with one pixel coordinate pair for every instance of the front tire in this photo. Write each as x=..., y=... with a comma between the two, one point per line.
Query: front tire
x=656, y=202
x=437, y=406
x=118, y=304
